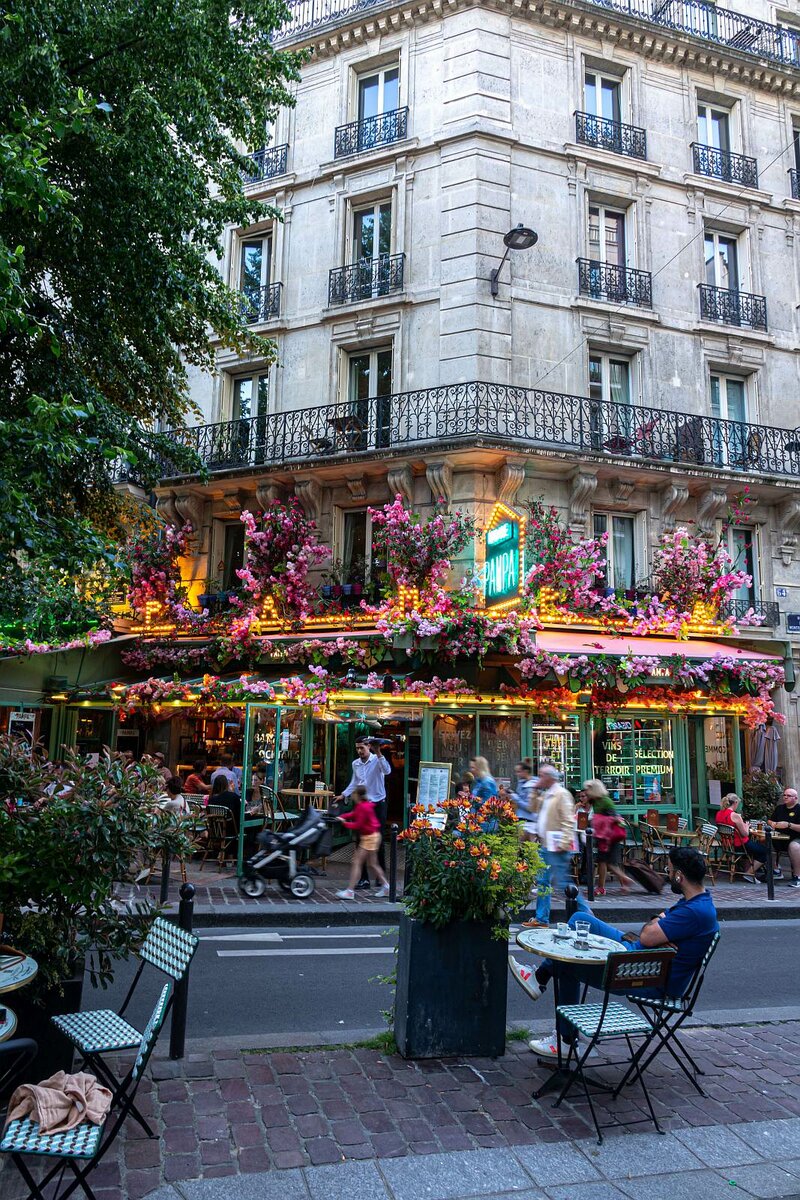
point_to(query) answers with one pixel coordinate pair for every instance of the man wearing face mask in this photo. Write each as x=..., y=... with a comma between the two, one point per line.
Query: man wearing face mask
x=689, y=926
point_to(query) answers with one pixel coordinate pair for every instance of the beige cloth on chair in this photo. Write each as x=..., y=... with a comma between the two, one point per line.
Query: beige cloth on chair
x=61, y=1102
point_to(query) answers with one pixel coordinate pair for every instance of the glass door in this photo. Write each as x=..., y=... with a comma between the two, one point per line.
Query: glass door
x=729, y=403
x=255, y=267
x=372, y=246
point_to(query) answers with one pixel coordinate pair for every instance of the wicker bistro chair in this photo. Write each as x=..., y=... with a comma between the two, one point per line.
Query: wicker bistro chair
x=220, y=834
x=82, y=1148
x=730, y=856
x=707, y=844
x=668, y=1014
x=656, y=853
x=625, y=972
x=98, y=1032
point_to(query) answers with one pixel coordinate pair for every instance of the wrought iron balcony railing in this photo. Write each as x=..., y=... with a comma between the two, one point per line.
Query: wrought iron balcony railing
x=794, y=180
x=359, y=136
x=768, y=610
x=367, y=279
x=721, y=164
x=610, y=135
x=729, y=307
x=497, y=414
x=267, y=163
x=707, y=22
x=618, y=285
x=263, y=304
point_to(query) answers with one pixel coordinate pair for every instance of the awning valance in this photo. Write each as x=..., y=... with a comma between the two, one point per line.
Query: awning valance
x=563, y=642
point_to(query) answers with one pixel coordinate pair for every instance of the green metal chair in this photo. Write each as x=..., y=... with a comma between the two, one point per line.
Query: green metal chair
x=98, y=1032
x=82, y=1148
x=625, y=973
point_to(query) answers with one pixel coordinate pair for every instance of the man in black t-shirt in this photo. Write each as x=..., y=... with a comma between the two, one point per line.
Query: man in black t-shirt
x=786, y=820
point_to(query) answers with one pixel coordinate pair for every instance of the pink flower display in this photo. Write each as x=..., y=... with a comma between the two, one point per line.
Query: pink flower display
x=154, y=570
x=419, y=553
x=280, y=549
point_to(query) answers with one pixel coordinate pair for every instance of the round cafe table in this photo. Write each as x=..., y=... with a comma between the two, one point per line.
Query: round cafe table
x=568, y=959
x=15, y=973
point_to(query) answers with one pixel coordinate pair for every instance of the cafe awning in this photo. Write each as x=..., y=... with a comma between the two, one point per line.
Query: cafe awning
x=563, y=642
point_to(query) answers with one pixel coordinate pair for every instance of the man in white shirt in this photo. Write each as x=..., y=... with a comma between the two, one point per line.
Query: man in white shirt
x=369, y=771
x=226, y=770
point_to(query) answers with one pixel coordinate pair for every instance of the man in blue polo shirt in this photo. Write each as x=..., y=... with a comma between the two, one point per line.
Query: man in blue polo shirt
x=689, y=926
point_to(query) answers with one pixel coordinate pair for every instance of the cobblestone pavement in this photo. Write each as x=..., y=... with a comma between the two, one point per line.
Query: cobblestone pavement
x=233, y=1112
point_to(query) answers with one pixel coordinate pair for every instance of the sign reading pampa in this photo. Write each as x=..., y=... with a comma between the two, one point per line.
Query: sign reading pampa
x=503, y=571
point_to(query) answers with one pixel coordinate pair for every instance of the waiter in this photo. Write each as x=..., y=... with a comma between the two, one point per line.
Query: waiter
x=370, y=769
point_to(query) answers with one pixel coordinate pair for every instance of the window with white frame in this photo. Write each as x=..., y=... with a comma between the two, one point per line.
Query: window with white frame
x=729, y=403
x=744, y=551
x=249, y=396
x=254, y=272
x=721, y=260
x=355, y=548
x=602, y=95
x=369, y=391
x=714, y=126
x=372, y=231
x=606, y=235
x=624, y=549
x=610, y=378
x=378, y=92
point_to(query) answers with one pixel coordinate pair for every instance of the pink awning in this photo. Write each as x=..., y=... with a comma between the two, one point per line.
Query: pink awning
x=563, y=642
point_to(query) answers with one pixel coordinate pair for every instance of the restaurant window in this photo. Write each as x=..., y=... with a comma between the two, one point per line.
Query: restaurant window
x=500, y=743
x=634, y=757
x=454, y=740
x=458, y=737
x=558, y=742
x=621, y=566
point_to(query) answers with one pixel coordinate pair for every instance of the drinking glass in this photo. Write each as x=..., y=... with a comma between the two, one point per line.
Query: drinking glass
x=563, y=930
x=582, y=929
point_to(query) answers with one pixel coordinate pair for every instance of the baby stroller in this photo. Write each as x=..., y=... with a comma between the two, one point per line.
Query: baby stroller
x=277, y=855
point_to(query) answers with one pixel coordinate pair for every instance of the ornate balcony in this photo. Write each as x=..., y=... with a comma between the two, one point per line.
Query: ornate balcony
x=768, y=610
x=367, y=279
x=617, y=285
x=359, y=136
x=610, y=135
x=727, y=307
x=721, y=164
x=262, y=305
x=267, y=164
x=794, y=181
x=706, y=22
x=467, y=414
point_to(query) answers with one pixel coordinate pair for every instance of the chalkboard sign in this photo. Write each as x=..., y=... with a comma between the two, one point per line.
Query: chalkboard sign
x=434, y=783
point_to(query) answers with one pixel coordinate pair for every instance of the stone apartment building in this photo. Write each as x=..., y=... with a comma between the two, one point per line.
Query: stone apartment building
x=637, y=366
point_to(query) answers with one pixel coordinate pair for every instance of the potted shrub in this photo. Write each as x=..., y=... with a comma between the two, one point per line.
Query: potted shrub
x=61, y=857
x=466, y=885
x=762, y=793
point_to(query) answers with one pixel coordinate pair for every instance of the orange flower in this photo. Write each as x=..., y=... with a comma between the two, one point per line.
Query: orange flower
x=460, y=844
x=483, y=863
x=474, y=851
x=522, y=867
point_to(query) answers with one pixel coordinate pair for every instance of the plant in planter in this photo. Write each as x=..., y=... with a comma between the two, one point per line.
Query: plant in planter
x=418, y=553
x=466, y=885
x=60, y=860
x=763, y=791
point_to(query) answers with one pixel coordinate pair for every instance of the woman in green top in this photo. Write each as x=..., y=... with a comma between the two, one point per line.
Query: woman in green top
x=609, y=834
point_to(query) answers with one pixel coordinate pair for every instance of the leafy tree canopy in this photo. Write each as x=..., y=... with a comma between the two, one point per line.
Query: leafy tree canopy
x=119, y=172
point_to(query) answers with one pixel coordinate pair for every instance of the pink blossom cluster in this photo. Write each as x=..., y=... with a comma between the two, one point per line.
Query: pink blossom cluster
x=320, y=650
x=155, y=573
x=95, y=637
x=280, y=550
x=418, y=554
x=687, y=567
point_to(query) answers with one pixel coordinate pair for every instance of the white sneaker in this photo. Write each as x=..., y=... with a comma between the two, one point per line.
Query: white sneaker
x=524, y=977
x=795, y=881
x=383, y=891
x=346, y=894
x=548, y=1047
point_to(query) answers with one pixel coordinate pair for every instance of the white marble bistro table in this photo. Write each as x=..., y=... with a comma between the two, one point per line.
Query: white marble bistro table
x=15, y=973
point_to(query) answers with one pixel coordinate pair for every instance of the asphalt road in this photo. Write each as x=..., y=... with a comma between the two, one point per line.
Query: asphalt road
x=275, y=985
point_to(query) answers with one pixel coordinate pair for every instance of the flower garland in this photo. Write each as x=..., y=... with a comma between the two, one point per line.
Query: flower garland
x=95, y=637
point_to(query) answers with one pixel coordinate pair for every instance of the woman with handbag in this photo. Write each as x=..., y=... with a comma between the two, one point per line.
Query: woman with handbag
x=609, y=836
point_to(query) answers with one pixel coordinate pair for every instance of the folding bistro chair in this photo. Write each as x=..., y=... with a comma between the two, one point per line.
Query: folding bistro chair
x=655, y=851
x=668, y=1014
x=706, y=843
x=625, y=972
x=82, y=1148
x=98, y=1032
x=732, y=856
x=15, y=1055
x=220, y=834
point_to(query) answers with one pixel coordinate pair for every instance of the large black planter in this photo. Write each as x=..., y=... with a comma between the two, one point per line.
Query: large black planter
x=451, y=992
x=55, y=1052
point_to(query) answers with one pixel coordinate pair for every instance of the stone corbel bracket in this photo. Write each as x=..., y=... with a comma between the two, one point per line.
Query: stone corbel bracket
x=582, y=489
x=357, y=488
x=788, y=523
x=440, y=480
x=509, y=480
x=268, y=494
x=400, y=482
x=309, y=493
x=711, y=504
x=673, y=499
x=190, y=507
x=165, y=507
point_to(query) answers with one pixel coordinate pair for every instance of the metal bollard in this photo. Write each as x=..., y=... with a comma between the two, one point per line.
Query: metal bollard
x=590, y=864
x=570, y=899
x=769, y=865
x=393, y=832
x=166, y=864
x=177, y=1029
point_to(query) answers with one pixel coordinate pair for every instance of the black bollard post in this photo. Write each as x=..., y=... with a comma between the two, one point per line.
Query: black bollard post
x=570, y=899
x=590, y=864
x=393, y=832
x=177, y=1029
x=166, y=863
x=769, y=865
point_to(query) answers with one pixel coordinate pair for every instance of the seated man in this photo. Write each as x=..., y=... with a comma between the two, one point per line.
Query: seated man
x=689, y=926
x=786, y=820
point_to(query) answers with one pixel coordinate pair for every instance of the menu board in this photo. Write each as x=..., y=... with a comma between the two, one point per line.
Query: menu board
x=434, y=783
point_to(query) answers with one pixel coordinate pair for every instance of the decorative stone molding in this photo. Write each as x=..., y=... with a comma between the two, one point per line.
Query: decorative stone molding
x=268, y=494
x=710, y=504
x=583, y=488
x=400, y=482
x=672, y=499
x=509, y=480
x=440, y=480
x=309, y=493
x=234, y=501
x=165, y=507
x=622, y=490
x=788, y=522
x=190, y=508
x=357, y=488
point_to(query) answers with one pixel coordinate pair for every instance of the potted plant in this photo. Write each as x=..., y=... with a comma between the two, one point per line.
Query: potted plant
x=357, y=574
x=466, y=885
x=209, y=598
x=61, y=857
x=762, y=793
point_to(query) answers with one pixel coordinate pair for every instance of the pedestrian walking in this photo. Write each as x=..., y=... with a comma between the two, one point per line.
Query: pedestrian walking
x=363, y=820
x=527, y=784
x=609, y=832
x=369, y=771
x=555, y=819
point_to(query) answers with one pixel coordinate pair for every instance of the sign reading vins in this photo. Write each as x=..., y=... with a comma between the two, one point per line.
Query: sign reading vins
x=502, y=563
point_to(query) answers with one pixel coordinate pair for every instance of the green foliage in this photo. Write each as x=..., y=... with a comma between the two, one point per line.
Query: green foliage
x=763, y=791
x=119, y=154
x=61, y=856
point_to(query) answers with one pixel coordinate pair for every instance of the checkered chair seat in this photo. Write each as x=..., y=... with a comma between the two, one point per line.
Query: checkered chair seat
x=98, y=1031
x=23, y=1136
x=618, y=1021
x=671, y=1004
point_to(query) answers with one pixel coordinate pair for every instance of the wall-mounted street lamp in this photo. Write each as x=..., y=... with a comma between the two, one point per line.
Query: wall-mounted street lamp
x=518, y=238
